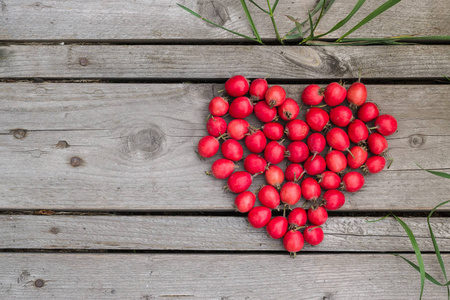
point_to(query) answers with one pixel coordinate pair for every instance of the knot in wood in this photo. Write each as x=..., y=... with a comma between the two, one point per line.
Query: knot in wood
x=84, y=61
x=62, y=145
x=147, y=143
x=76, y=161
x=215, y=11
x=19, y=133
x=39, y=283
x=416, y=140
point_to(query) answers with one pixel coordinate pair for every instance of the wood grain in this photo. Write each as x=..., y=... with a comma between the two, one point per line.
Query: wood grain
x=207, y=233
x=203, y=276
x=163, y=21
x=136, y=147
x=186, y=62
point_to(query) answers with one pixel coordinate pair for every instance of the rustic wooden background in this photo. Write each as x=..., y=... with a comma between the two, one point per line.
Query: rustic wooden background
x=101, y=193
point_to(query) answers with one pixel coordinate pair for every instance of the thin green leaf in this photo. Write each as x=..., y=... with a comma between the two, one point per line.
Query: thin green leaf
x=372, y=15
x=291, y=34
x=311, y=34
x=250, y=20
x=441, y=174
x=274, y=6
x=311, y=24
x=273, y=22
x=417, y=251
x=446, y=77
x=417, y=268
x=254, y=3
x=298, y=25
x=373, y=221
x=212, y=23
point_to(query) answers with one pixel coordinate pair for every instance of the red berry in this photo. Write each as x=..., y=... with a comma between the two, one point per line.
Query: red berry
x=377, y=143
x=273, y=131
x=293, y=172
x=222, y=168
x=315, y=166
x=357, y=131
x=317, y=118
x=256, y=141
x=336, y=161
x=274, y=176
x=316, y=143
x=341, y=116
x=357, y=94
x=259, y=216
x=386, y=124
x=218, y=107
x=269, y=196
x=375, y=164
x=208, y=146
x=352, y=181
x=360, y=157
x=329, y=180
x=297, y=217
x=216, y=126
x=293, y=241
x=317, y=216
x=241, y=108
x=297, y=152
x=312, y=95
x=275, y=96
x=338, y=139
x=237, y=129
x=274, y=152
x=289, y=110
x=232, y=150
x=236, y=86
x=296, y=130
x=254, y=164
x=310, y=189
x=368, y=112
x=244, y=201
x=277, y=227
x=239, y=181
x=290, y=193
x=313, y=235
x=334, y=94
x=334, y=199
x=258, y=88
x=264, y=113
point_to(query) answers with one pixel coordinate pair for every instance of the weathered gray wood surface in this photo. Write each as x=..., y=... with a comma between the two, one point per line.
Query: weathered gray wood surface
x=219, y=61
x=137, y=144
x=206, y=233
x=164, y=21
x=148, y=276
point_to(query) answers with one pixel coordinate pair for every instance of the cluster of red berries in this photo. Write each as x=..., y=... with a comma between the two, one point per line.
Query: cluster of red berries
x=269, y=104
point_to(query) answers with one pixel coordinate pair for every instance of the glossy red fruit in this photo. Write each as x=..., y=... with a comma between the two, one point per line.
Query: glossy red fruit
x=338, y=139
x=357, y=94
x=334, y=94
x=336, y=161
x=259, y=216
x=218, y=107
x=236, y=86
x=244, y=201
x=297, y=217
x=264, y=113
x=274, y=152
x=274, y=176
x=313, y=235
x=275, y=96
x=232, y=150
x=241, y=108
x=237, y=129
x=312, y=95
x=269, y=196
x=254, y=163
x=297, y=152
x=316, y=166
x=293, y=241
x=317, y=216
x=208, y=146
x=352, y=181
x=258, y=88
x=317, y=118
x=316, y=143
x=293, y=172
x=289, y=110
x=310, y=189
x=334, y=199
x=273, y=131
x=360, y=156
x=277, y=227
x=368, y=112
x=216, y=126
x=341, y=116
x=290, y=193
x=375, y=164
x=256, y=141
x=239, y=181
x=377, y=143
x=222, y=168
x=386, y=124
x=357, y=131
x=329, y=180
x=296, y=130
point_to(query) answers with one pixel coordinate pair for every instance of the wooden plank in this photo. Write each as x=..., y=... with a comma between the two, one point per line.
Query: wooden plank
x=154, y=20
x=137, y=145
x=206, y=233
x=148, y=276
x=185, y=62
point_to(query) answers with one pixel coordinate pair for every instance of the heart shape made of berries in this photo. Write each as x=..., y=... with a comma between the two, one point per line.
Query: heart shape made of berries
x=351, y=142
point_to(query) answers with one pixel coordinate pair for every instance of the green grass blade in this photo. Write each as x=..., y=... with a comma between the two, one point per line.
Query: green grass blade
x=291, y=34
x=298, y=25
x=412, y=238
x=256, y=4
x=212, y=23
x=250, y=20
x=372, y=15
x=275, y=6
x=441, y=174
x=373, y=221
x=416, y=267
